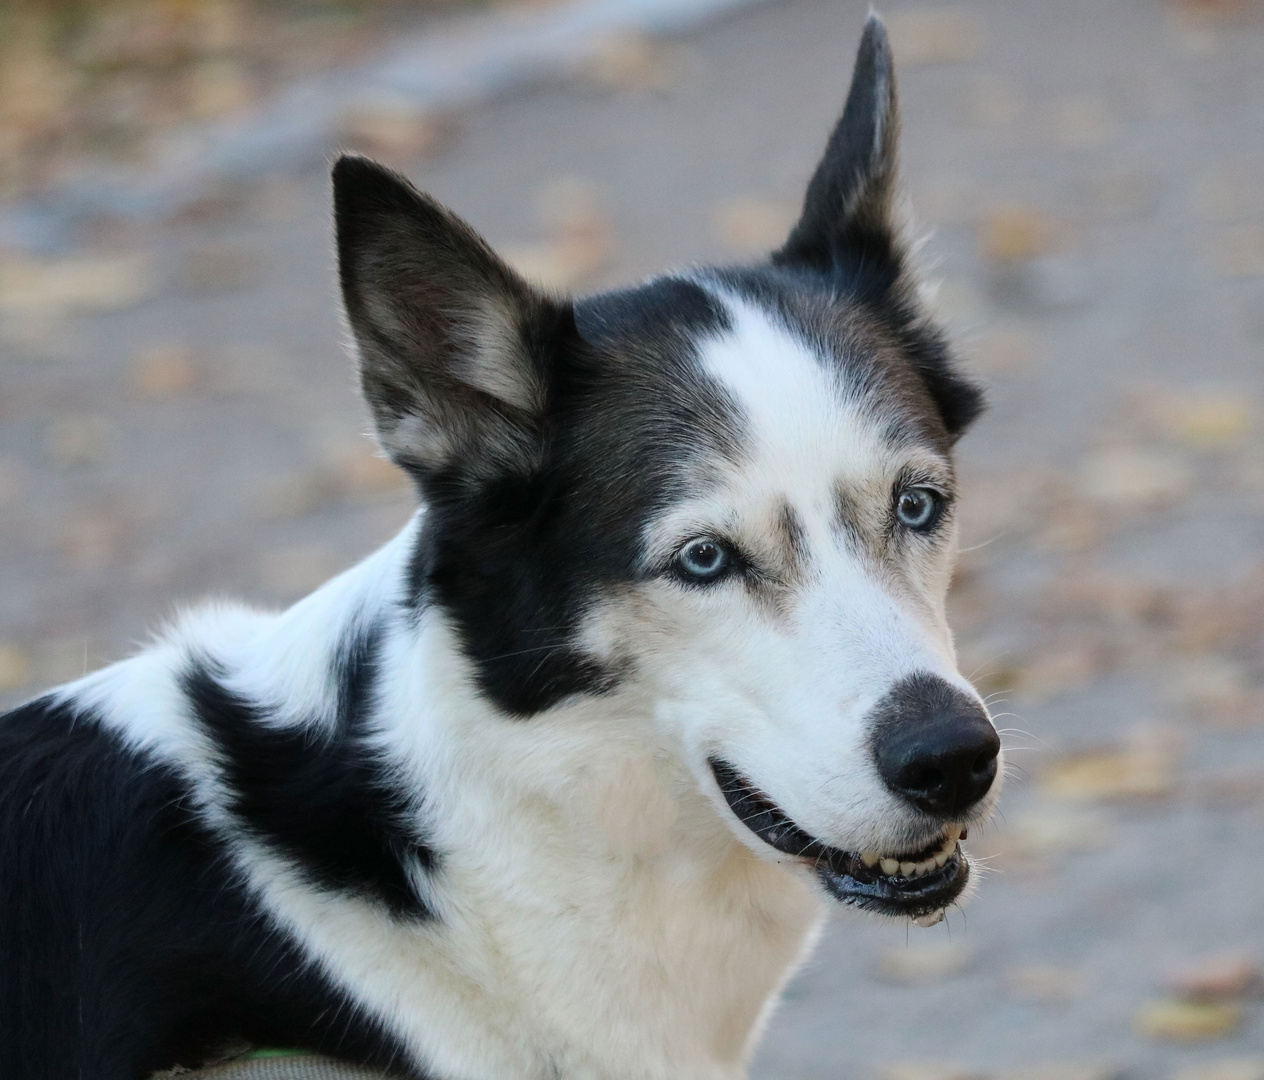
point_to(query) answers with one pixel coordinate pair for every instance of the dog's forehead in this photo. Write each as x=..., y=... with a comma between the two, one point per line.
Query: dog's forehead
x=819, y=403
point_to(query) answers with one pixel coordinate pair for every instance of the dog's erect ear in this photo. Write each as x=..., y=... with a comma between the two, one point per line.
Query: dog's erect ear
x=848, y=216
x=850, y=230
x=453, y=344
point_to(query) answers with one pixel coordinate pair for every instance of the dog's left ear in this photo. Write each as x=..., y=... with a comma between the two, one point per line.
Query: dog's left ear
x=848, y=222
x=850, y=229
x=454, y=346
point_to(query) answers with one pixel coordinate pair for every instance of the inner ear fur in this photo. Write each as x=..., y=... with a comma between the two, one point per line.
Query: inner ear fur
x=453, y=345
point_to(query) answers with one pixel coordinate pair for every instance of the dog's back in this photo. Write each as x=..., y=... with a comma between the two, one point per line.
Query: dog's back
x=128, y=939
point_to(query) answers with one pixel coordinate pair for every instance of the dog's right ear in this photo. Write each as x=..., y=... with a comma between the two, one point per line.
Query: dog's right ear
x=453, y=344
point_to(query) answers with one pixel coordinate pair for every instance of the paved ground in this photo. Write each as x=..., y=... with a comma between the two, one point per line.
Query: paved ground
x=1095, y=173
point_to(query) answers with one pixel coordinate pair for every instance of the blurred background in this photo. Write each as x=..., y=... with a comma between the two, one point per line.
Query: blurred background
x=178, y=418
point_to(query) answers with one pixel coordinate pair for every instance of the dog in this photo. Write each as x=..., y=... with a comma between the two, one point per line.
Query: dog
x=560, y=782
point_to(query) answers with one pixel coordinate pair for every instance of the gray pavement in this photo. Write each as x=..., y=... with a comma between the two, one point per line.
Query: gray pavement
x=1094, y=174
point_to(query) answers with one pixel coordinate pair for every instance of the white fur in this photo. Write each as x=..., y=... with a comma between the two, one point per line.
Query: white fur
x=601, y=913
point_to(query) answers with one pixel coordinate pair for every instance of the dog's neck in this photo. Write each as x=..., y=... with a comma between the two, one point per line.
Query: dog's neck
x=595, y=916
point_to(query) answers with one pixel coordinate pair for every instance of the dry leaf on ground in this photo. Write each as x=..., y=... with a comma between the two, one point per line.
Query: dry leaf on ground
x=1188, y=1021
x=1236, y=1068
x=635, y=61
x=1047, y=985
x=1063, y=1070
x=1130, y=479
x=52, y=288
x=1222, y=976
x=582, y=240
x=935, y=36
x=15, y=667
x=1052, y=829
x=752, y=226
x=163, y=371
x=396, y=129
x=927, y=963
x=1143, y=768
x=926, y=1070
x=1011, y=234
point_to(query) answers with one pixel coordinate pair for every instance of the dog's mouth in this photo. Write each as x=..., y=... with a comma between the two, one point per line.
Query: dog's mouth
x=917, y=884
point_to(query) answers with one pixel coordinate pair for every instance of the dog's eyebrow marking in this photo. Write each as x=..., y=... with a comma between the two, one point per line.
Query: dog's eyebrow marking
x=314, y=793
x=791, y=540
x=848, y=518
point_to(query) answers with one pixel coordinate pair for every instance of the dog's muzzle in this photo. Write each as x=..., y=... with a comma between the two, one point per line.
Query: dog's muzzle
x=918, y=884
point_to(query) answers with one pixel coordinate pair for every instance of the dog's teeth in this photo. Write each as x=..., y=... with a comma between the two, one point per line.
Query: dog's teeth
x=942, y=857
x=954, y=831
x=870, y=858
x=926, y=866
x=889, y=866
x=906, y=868
x=948, y=845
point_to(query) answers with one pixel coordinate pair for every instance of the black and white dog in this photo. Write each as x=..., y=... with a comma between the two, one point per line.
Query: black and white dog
x=559, y=782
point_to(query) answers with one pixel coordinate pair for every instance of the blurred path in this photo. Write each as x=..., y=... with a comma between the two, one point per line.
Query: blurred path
x=1095, y=173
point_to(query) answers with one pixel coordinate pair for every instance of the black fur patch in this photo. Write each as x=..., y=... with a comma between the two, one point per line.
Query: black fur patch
x=316, y=794
x=631, y=422
x=128, y=943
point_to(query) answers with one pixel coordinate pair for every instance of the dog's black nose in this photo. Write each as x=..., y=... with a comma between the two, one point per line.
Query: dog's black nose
x=934, y=745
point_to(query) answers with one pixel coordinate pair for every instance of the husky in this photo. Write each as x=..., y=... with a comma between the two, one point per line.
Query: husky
x=560, y=783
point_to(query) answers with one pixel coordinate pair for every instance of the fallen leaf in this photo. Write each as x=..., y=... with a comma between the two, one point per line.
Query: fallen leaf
x=1016, y=234
x=1063, y=1070
x=1187, y=1021
x=1129, y=479
x=1047, y=985
x=395, y=128
x=1004, y=350
x=217, y=87
x=1142, y=769
x=15, y=667
x=1207, y=419
x=926, y=1070
x=52, y=288
x=935, y=36
x=1215, y=689
x=582, y=241
x=1225, y=975
x=1052, y=829
x=632, y=60
x=163, y=371
x=1239, y=1068
x=753, y=226
x=1053, y=671
x=925, y=963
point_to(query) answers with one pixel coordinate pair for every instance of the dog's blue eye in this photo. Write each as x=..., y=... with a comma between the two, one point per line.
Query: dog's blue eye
x=918, y=508
x=704, y=560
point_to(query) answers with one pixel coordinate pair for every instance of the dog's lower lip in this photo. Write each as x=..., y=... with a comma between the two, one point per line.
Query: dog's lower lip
x=844, y=874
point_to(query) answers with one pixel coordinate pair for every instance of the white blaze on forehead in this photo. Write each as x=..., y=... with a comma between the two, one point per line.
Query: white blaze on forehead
x=808, y=428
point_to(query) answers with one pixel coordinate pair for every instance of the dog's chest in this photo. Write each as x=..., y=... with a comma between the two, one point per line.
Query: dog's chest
x=600, y=928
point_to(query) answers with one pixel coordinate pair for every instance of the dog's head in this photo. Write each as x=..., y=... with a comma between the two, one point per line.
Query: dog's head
x=730, y=489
